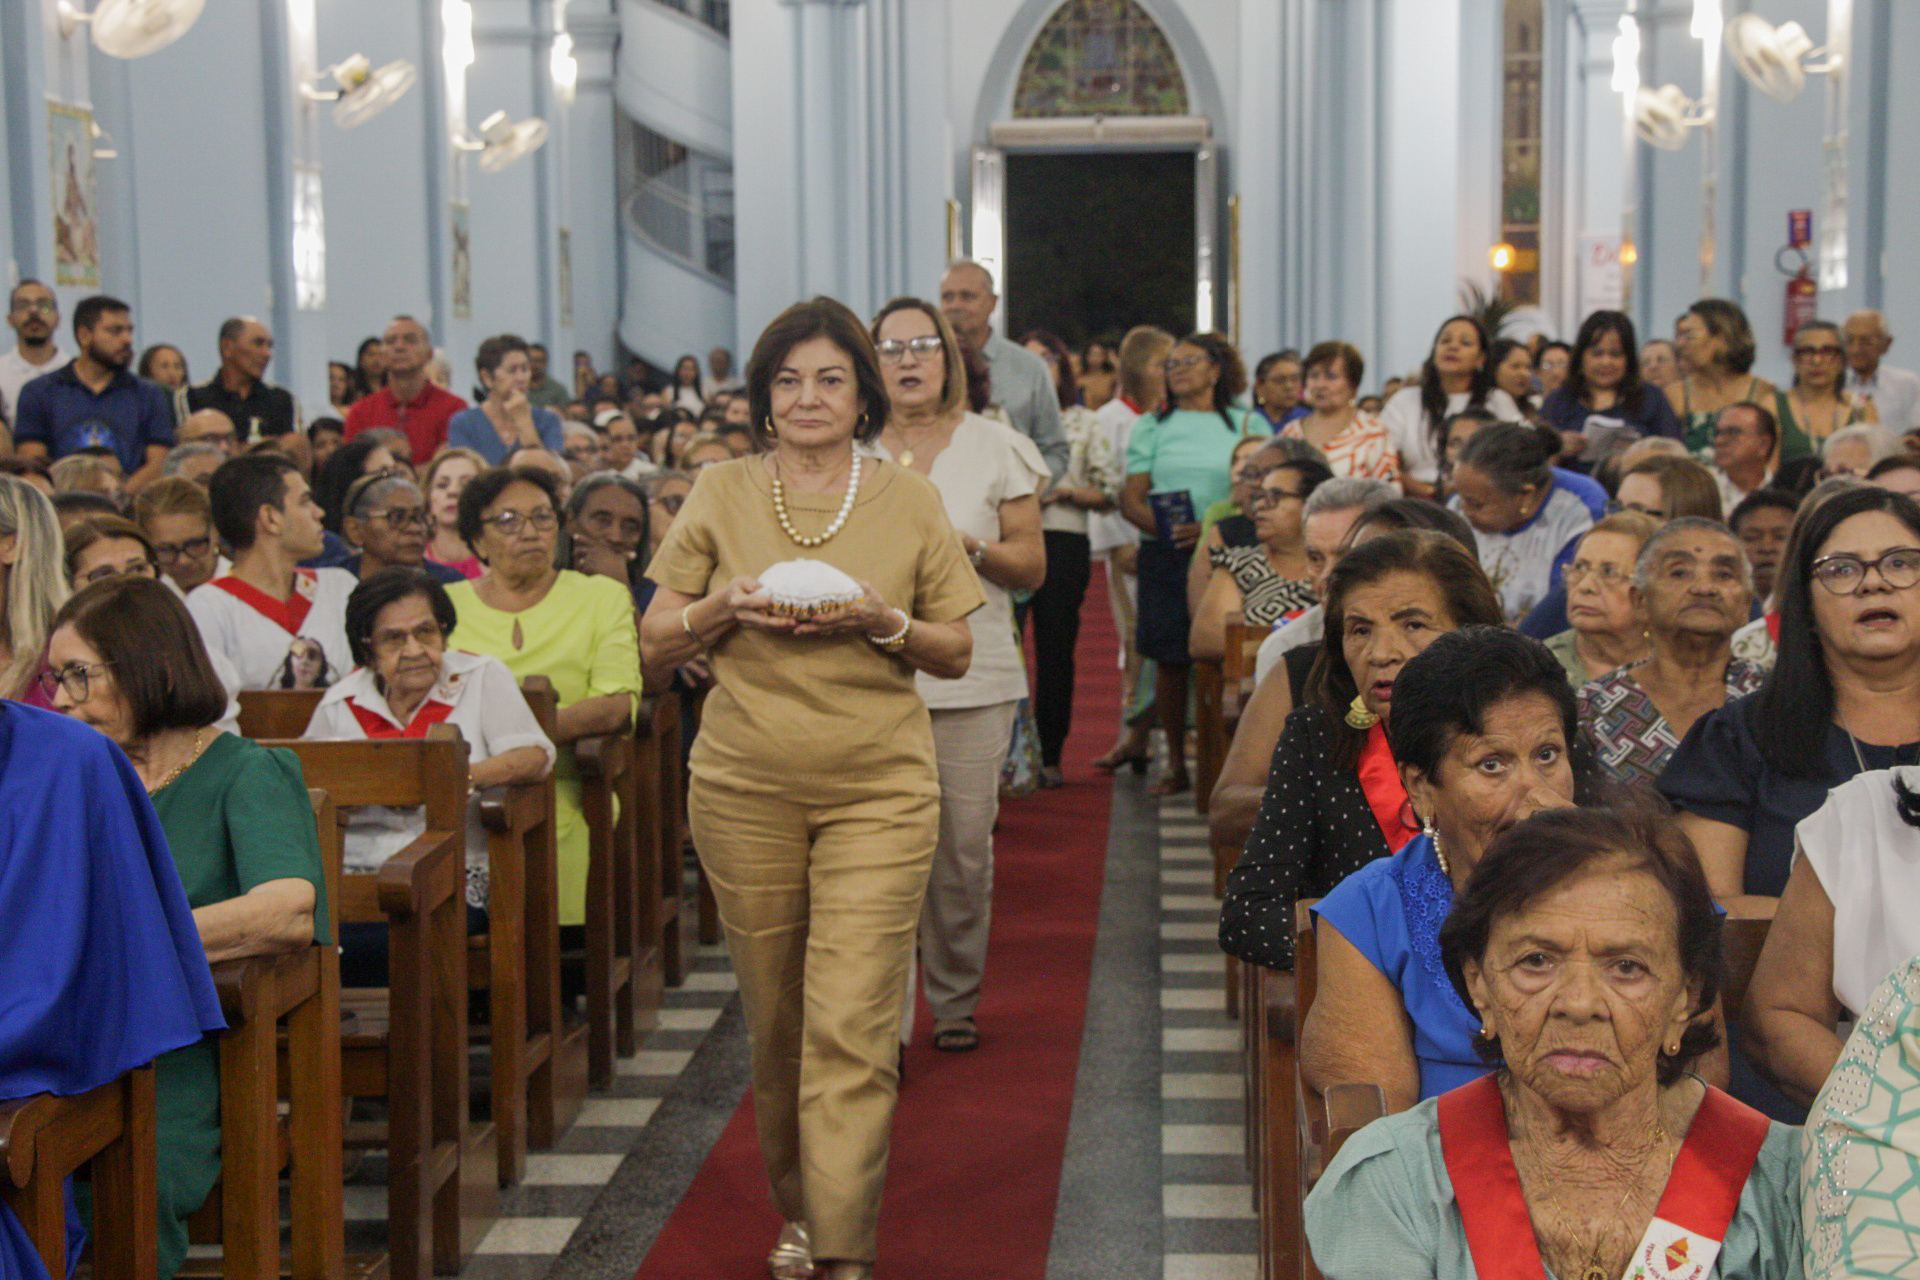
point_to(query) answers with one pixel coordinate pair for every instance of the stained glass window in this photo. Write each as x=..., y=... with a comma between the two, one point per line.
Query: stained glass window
x=1520, y=147
x=1100, y=57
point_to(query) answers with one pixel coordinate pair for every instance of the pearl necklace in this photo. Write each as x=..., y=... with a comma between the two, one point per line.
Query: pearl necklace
x=839, y=521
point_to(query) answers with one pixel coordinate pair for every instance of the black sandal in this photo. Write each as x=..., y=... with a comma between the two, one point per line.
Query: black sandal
x=961, y=1036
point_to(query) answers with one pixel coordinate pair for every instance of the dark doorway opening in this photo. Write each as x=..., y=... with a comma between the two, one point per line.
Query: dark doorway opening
x=1098, y=242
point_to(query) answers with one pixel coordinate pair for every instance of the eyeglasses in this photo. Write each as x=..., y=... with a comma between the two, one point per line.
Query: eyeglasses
x=1178, y=363
x=1579, y=571
x=923, y=347
x=672, y=503
x=45, y=306
x=509, y=522
x=225, y=439
x=1845, y=574
x=133, y=569
x=1615, y=507
x=400, y=517
x=1732, y=433
x=1818, y=353
x=1272, y=497
x=73, y=678
x=1250, y=474
x=427, y=635
x=192, y=548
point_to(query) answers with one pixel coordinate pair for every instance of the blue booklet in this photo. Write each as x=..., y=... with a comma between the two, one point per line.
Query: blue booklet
x=1171, y=507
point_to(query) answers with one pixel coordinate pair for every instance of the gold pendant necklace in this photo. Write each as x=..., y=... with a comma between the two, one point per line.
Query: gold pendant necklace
x=199, y=745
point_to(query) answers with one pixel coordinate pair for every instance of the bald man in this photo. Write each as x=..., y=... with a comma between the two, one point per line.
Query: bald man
x=1022, y=385
x=1895, y=392
x=208, y=426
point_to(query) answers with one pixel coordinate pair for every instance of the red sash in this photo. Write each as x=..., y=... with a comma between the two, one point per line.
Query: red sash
x=287, y=614
x=1380, y=780
x=425, y=716
x=1773, y=626
x=1700, y=1197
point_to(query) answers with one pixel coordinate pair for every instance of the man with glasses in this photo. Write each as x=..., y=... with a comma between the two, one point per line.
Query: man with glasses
x=1743, y=441
x=268, y=614
x=386, y=518
x=34, y=317
x=209, y=426
x=1021, y=383
x=1895, y=393
x=238, y=390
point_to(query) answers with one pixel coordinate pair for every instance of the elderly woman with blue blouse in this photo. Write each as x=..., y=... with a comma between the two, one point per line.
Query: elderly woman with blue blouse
x=1586, y=945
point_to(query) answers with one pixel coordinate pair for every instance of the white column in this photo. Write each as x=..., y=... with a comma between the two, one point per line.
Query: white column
x=1593, y=174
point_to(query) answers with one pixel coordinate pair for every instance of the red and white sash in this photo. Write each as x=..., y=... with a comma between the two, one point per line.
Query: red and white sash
x=429, y=713
x=1380, y=782
x=1681, y=1243
x=286, y=614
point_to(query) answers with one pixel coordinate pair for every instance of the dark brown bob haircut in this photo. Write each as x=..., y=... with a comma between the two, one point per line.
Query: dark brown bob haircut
x=819, y=317
x=1449, y=566
x=145, y=635
x=1536, y=856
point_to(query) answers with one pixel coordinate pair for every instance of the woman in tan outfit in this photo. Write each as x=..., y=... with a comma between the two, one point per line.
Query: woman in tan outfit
x=815, y=803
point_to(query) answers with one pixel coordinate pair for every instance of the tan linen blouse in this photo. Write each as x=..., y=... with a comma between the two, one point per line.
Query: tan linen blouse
x=787, y=710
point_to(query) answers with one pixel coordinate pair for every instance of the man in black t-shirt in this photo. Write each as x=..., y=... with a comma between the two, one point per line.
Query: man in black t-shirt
x=239, y=389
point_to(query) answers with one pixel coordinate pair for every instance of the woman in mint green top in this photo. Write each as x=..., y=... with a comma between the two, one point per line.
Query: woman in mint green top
x=1586, y=946
x=126, y=659
x=1186, y=446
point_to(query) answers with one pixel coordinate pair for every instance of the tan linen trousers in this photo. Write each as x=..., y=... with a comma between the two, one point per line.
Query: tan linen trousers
x=820, y=897
x=970, y=749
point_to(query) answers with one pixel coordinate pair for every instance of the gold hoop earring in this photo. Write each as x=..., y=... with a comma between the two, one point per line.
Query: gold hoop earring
x=771, y=433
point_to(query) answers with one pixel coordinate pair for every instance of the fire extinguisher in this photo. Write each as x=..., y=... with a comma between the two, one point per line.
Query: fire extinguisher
x=1803, y=294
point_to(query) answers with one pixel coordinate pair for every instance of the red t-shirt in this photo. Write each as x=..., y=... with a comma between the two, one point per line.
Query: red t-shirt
x=424, y=418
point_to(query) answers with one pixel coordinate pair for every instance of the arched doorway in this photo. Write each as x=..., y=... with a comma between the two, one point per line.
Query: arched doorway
x=1096, y=202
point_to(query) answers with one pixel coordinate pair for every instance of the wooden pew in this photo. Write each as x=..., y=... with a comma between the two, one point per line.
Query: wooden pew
x=662, y=752
x=302, y=991
x=1323, y=1123
x=1274, y=1106
x=1236, y=683
x=610, y=798
x=539, y=1070
x=44, y=1138
x=538, y=1078
x=1210, y=739
x=409, y=1041
x=1742, y=938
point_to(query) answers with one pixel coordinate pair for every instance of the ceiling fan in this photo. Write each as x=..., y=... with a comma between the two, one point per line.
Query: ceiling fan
x=132, y=28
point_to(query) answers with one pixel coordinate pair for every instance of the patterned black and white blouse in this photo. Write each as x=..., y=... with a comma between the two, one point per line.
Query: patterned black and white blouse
x=1314, y=829
x=1265, y=596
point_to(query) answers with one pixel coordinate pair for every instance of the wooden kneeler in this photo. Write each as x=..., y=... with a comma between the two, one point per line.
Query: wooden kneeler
x=409, y=1040
x=300, y=990
x=45, y=1138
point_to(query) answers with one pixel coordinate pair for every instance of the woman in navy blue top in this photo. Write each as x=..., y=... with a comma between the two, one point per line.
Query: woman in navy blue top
x=1484, y=731
x=1603, y=393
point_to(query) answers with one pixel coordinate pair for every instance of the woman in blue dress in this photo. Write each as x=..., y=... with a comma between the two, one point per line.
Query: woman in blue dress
x=1485, y=734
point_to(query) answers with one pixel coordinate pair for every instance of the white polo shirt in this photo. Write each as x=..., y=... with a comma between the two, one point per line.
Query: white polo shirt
x=258, y=634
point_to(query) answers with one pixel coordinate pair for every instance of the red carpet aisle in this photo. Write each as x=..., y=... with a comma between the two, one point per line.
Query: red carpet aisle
x=978, y=1138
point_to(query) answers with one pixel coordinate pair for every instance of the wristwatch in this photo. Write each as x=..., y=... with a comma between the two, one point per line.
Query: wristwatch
x=978, y=555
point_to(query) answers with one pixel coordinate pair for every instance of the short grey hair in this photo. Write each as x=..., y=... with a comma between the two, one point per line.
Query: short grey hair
x=571, y=427
x=1876, y=440
x=993, y=286
x=181, y=454
x=1348, y=493
x=376, y=492
x=1643, y=566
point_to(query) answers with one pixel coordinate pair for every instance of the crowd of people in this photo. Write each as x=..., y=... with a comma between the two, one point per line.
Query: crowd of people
x=1516, y=605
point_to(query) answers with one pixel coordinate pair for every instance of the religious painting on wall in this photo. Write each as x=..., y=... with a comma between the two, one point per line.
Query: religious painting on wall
x=76, y=233
x=462, y=263
x=565, y=274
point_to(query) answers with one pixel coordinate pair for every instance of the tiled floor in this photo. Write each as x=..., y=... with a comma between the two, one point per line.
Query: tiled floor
x=1206, y=1196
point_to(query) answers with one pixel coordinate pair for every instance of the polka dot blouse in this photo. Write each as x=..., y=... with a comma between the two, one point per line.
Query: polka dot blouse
x=1313, y=830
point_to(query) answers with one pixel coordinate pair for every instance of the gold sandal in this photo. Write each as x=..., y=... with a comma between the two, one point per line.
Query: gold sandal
x=792, y=1256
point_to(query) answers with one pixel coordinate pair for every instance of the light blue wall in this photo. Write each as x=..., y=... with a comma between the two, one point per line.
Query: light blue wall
x=194, y=215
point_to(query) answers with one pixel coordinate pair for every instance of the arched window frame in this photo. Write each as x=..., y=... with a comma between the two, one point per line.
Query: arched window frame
x=1145, y=71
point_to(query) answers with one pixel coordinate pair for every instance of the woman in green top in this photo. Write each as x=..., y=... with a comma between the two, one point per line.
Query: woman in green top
x=1186, y=446
x=1716, y=344
x=1817, y=404
x=125, y=658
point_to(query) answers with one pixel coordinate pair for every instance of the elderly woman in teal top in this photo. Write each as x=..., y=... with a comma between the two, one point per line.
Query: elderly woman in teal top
x=124, y=657
x=1187, y=446
x=1482, y=730
x=1587, y=944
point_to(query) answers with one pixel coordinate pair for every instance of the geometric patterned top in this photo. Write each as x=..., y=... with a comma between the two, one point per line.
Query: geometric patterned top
x=1631, y=737
x=1265, y=596
x=1860, y=1150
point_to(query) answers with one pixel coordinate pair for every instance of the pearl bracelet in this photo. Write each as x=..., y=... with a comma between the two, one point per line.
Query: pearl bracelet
x=898, y=640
